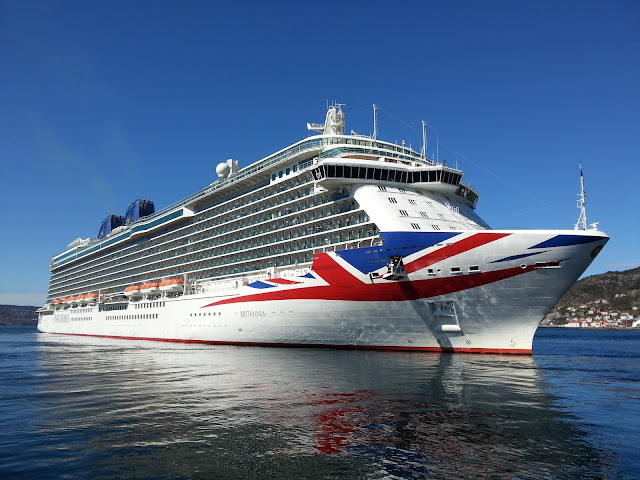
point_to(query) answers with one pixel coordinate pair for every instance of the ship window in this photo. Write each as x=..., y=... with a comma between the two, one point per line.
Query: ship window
x=376, y=173
x=331, y=170
x=287, y=171
x=295, y=168
x=424, y=214
x=415, y=226
x=404, y=213
x=362, y=173
x=381, y=188
x=441, y=216
x=280, y=174
x=456, y=270
x=412, y=201
x=370, y=173
x=435, y=227
x=474, y=269
x=424, y=176
x=347, y=171
x=384, y=174
x=392, y=200
x=432, y=176
x=402, y=190
x=445, y=177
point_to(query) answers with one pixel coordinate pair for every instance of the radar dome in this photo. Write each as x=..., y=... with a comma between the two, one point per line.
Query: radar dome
x=223, y=170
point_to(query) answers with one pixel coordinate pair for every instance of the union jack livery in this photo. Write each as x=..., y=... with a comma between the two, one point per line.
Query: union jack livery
x=338, y=240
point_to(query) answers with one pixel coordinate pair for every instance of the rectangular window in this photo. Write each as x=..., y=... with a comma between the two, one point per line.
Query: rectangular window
x=381, y=188
x=339, y=171
x=435, y=227
x=331, y=171
x=412, y=202
x=456, y=270
x=404, y=213
x=392, y=200
x=362, y=173
x=424, y=214
x=415, y=226
x=384, y=174
x=441, y=216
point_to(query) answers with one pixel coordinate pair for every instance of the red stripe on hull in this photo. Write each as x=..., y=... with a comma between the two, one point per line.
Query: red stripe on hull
x=457, y=248
x=347, y=287
x=499, y=351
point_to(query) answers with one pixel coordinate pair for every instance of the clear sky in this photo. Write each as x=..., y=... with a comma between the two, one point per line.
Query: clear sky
x=104, y=102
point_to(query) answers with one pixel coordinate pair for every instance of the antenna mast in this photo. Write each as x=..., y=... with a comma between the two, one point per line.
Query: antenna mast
x=582, y=205
x=424, y=140
x=375, y=122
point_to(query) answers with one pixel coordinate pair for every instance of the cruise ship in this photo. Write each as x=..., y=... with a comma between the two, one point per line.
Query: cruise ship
x=339, y=240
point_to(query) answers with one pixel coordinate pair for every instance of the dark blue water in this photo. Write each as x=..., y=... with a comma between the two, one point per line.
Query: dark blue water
x=74, y=407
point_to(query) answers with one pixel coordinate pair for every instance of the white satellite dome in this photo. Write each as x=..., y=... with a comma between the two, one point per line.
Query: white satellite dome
x=223, y=170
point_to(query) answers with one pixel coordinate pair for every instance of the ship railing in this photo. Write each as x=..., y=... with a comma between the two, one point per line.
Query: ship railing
x=232, y=246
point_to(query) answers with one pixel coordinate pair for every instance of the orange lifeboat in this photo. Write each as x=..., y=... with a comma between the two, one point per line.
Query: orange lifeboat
x=132, y=291
x=173, y=285
x=151, y=288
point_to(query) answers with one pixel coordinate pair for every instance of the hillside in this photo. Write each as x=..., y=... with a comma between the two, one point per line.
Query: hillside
x=18, y=315
x=621, y=289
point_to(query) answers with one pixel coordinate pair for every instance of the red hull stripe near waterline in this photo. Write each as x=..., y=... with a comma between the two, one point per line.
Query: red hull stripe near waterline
x=499, y=351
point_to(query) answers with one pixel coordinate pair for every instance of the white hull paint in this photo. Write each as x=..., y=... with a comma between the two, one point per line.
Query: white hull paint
x=495, y=316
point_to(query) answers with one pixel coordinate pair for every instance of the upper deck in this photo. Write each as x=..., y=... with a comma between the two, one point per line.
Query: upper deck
x=247, y=178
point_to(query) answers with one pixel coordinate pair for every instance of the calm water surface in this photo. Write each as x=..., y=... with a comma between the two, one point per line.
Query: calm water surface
x=73, y=407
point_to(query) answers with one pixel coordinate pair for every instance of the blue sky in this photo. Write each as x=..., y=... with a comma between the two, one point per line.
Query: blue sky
x=106, y=102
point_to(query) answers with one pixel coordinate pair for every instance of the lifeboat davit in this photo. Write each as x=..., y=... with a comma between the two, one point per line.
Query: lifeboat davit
x=151, y=288
x=91, y=297
x=133, y=291
x=173, y=285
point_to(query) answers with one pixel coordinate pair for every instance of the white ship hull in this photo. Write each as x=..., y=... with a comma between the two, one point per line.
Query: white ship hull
x=475, y=292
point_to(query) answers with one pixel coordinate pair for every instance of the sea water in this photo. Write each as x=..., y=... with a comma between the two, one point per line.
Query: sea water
x=79, y=407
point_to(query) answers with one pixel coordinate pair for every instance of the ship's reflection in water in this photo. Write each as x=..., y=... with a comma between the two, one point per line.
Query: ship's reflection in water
x=112, y=408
